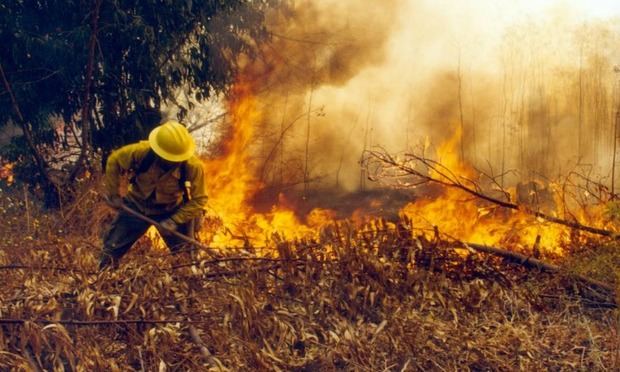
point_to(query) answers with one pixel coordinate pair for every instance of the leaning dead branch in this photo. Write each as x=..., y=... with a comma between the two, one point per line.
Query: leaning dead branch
x=531, y=262
x=382, y=165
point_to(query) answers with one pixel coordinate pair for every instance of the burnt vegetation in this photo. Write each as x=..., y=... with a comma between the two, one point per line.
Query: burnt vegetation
x=381, y=296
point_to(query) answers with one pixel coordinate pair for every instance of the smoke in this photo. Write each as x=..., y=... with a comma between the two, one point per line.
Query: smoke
x=325, y=42
x=530, y=83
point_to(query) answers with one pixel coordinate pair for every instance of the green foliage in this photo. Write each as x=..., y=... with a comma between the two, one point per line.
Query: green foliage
x=145, y=51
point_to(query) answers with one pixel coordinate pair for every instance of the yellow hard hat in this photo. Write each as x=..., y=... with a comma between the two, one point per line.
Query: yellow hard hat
x=172, y=142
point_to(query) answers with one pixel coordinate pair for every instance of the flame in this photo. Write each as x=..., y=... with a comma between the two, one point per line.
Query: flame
x=232, y=183
x=464, y=217
x=6, y=172
x=448, y=156
x=456, y=214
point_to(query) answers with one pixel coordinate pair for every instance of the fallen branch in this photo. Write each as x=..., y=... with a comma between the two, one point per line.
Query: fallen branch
x=451, y=180
x=254, y=259
x=531, y=262
x=102, y=322
x=42, y=268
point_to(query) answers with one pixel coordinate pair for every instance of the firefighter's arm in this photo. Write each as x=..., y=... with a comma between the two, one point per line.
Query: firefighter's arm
x=122, y=160
x=197, y=193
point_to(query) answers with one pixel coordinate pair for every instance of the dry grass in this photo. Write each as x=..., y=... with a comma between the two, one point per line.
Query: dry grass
x=377, y=299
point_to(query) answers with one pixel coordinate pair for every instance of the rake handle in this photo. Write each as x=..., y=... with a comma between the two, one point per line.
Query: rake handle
x=144, y=218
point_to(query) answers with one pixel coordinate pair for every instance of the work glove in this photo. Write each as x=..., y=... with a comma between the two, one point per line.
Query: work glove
x=169, y=224
x=114, y=201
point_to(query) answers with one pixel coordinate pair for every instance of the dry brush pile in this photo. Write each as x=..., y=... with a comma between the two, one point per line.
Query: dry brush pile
x=380, y=297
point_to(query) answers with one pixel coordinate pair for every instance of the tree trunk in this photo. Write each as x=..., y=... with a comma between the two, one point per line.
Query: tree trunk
x=85, y=115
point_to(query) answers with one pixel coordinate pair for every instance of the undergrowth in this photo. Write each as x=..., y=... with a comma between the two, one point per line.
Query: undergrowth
x=381, y=297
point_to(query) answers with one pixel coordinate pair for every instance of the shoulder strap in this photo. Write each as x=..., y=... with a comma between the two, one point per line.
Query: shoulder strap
x=183, y=183
x=146, y=162
x=144, y=165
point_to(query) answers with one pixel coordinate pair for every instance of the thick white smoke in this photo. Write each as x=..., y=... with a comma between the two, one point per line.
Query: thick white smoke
x=531, y=84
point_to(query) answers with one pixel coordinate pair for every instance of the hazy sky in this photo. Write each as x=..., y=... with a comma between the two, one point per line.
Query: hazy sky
x=587, y=8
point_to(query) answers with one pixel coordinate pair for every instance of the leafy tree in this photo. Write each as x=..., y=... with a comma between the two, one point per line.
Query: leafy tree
x=92, y=75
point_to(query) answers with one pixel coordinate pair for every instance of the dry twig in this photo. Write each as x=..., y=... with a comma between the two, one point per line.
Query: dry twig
x=383, y=163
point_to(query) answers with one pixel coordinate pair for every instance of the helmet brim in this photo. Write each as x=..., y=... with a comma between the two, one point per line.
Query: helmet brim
x=165, y=154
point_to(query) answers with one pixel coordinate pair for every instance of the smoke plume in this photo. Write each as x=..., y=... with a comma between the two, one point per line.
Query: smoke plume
x=531, y=86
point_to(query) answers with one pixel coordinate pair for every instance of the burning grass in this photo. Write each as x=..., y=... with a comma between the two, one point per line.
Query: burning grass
x=380, y=297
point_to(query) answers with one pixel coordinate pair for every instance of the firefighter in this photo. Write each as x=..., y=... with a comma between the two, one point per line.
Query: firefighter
x=168, y=185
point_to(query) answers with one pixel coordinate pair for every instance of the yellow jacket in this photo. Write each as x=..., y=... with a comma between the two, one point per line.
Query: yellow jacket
x=157, y=191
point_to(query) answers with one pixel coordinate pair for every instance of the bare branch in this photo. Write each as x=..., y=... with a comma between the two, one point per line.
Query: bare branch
x=381, y=161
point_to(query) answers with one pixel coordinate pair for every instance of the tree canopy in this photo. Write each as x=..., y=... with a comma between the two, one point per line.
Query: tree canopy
x=93, y=74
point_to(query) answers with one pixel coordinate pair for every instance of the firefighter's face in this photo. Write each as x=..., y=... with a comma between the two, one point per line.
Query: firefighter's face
x=167, y=164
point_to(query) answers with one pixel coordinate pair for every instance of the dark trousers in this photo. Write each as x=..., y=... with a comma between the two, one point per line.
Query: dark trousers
x=127, y=229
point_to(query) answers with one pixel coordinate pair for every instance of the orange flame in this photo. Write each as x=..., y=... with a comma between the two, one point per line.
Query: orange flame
x=232, y=183
x=467, y=218
x=6, y=172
